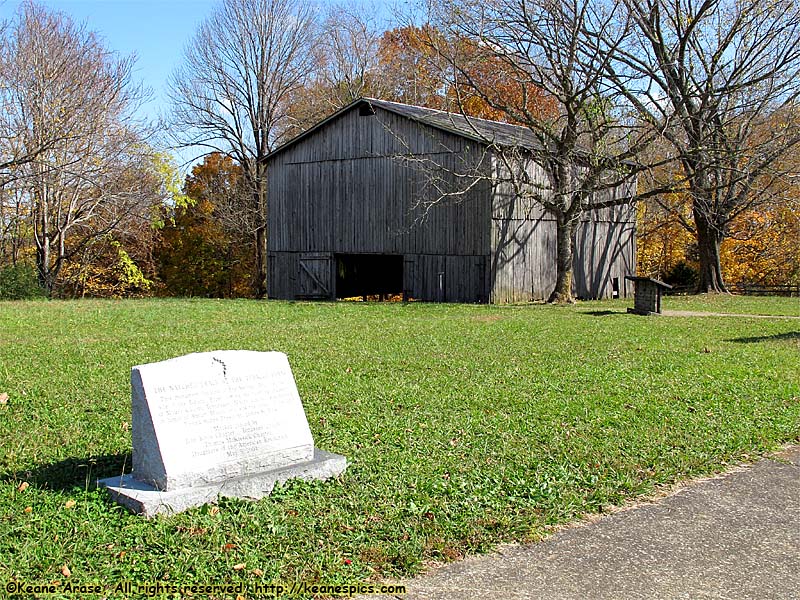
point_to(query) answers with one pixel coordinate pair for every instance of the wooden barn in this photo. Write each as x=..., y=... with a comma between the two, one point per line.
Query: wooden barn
x=374, y=201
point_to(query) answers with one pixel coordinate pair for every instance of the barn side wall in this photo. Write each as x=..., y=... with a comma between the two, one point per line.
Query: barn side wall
x=350, y=188
x=523, y=247
x=605, y=252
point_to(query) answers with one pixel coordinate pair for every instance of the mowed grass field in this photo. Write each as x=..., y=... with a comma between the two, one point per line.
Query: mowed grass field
x=465, y=426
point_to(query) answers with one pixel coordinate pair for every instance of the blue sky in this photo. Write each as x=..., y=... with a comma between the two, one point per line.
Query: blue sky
x=155, y=30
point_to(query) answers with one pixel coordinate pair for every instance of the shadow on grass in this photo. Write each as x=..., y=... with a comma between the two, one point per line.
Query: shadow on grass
x=602, y=313
x=70, y=473
x=787, y=337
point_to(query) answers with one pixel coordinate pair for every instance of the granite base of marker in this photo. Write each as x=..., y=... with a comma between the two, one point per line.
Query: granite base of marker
x=148, y=501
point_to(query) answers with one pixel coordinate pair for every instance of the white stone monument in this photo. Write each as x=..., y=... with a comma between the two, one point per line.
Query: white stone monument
x=226, y=423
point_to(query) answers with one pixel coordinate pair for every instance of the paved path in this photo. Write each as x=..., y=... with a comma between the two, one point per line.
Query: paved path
x=735, y=536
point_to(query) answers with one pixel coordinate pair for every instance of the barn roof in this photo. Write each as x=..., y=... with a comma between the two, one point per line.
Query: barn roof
x=480, y=130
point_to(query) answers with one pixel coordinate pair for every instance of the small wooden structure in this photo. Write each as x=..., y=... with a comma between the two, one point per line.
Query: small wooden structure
x=350, y=214
x=647, y=295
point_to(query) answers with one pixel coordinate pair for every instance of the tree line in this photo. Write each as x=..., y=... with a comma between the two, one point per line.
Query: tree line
x=694, y=100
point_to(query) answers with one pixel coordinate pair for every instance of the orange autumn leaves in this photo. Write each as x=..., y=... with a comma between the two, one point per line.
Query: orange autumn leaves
x=507, y=89
x=411, y=56
x=203, y=250
x=28, y=510
x=410, y=68
x=762, y=247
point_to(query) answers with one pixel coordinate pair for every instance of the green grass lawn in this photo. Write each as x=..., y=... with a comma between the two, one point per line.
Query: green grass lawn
x=465, y=426
x=724, y=303
x=712, y=303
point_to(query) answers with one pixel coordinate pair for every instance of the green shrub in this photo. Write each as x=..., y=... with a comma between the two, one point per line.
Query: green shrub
x=682, y=274
x=19, y=282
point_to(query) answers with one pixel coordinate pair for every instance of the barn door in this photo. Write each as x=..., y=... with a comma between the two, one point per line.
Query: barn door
x=316, y=276
x=409, y=277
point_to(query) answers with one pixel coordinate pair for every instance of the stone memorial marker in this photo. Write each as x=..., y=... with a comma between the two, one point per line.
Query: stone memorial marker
x=226, y=423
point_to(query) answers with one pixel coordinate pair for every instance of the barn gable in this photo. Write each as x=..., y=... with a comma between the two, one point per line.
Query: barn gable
x=355, y=186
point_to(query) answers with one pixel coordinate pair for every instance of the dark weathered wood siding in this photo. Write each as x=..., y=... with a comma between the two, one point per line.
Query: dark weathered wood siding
x=523, y=247
x=350, y=188
x=359, y=185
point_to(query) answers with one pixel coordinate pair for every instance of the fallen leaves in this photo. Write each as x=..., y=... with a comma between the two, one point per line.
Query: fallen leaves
x=23, y=486
x=69, y=504
x=239, y=566
x=3, y=398
x=257, y=572
x=65, y=571
x=28, y=509
x=196, y=531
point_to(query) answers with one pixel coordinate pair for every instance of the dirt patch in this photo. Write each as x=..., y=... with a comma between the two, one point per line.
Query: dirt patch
x=488, y=318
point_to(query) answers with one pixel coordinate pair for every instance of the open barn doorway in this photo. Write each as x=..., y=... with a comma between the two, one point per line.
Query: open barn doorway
x=369, y=276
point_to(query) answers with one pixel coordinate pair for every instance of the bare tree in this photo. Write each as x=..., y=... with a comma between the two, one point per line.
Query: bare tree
x=232, y=94
x=346, y=65
x=719, y=80
x=25, y=54
x=542, y=64
x=14, y=220
x=73, y=142
x=349, y=46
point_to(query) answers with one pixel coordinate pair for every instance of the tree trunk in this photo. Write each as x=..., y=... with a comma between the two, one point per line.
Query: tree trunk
x=709, y=239
x=562, y=294
x=260, y=284
x=44, y=271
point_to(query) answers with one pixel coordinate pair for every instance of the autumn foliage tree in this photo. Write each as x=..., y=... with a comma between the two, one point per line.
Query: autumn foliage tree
x=355, y=59
x=761, y=246
x=412, y=68
x=204, y=245
x=761, y=241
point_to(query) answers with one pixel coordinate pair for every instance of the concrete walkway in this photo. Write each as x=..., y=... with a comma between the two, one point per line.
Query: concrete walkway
x=734, y=536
